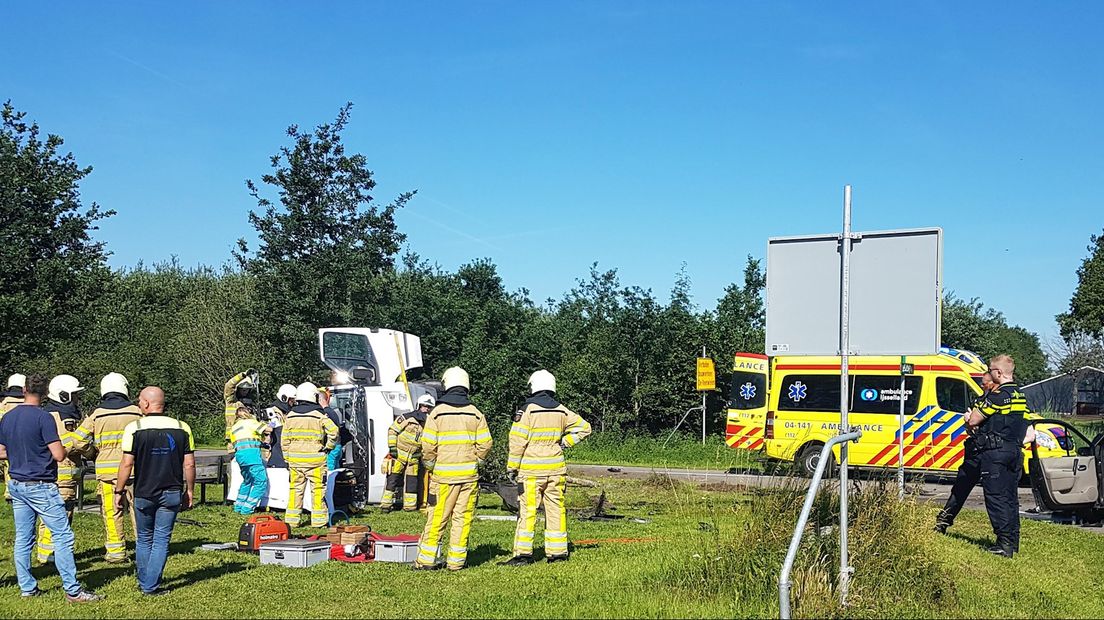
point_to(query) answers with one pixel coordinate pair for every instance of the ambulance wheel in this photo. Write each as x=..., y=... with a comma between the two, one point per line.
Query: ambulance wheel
x=808, y=458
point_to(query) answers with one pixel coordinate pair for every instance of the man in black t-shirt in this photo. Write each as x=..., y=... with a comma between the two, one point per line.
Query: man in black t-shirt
x=160, y=451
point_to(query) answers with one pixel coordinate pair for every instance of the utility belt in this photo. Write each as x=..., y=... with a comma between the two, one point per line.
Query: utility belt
x=987, y=441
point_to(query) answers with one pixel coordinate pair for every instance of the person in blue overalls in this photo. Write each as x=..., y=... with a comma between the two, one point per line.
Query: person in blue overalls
x=246, y=437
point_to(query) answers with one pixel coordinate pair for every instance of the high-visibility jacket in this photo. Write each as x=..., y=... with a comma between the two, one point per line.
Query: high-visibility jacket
x=230, y=411
x=247, y=434
x=9, y=402
x=104, y=429
x=1004, y=425
x=69, y=468
x=307, y=436
x=542, y=429
x=455, y=440
x=404, y=436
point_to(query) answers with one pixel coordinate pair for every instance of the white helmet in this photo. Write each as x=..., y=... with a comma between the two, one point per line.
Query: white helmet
x=17, y=380
x=426, y=399
x=62, y=388
x=114, y=382
x=286, y=392
x=307, y=392
x=542, y=380
x=456, y=377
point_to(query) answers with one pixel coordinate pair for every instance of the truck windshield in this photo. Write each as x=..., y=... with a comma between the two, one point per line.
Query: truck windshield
x=345, y=351
x=749, y=390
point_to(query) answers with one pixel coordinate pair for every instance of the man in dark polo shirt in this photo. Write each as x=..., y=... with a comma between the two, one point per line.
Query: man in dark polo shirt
x=159, y=449
x=30, y=443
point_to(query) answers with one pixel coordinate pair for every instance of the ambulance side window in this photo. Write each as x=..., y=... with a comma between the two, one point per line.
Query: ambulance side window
x=953, y=394
x=810, y=393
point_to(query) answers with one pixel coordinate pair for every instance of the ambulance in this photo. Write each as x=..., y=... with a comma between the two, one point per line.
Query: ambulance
x=787, y=407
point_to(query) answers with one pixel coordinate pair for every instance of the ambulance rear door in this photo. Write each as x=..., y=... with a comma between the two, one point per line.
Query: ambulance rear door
x=747, y=402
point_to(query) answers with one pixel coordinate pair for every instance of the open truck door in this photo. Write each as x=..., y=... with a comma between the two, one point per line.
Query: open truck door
x=747, y=402
x=1071, y=483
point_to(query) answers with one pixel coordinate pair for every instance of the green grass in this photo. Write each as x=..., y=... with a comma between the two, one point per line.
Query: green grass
x=703, y=552
x=615, y=449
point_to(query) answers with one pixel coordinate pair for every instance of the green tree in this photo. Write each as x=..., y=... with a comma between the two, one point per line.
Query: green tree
x=1086, y=308
x=53, y=269
x=970, y=325
x=324, y=245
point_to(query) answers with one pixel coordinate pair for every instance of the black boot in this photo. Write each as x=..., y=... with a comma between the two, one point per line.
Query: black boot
x=557, y=558
x=518, y=560
x=1001, y=550
x=941, y=527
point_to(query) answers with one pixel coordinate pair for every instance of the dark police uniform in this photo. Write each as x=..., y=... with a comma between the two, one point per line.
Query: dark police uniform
x=999, y=442
x=968, y=476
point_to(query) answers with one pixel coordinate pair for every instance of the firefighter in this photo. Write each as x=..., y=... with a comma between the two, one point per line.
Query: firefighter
x=455, y=441
x=307, y=436
x=61, y=403
x=277, y=411
x=239, y=391
x=404, y=456
x=12, y=396
x=999, y=425
x=247, y=436
x=542, y=429
x=104, y=430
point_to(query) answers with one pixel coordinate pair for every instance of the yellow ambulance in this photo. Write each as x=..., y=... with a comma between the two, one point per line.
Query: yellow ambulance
x=788, y=407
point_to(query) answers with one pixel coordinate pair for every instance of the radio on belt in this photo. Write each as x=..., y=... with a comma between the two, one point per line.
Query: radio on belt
x=261, y=530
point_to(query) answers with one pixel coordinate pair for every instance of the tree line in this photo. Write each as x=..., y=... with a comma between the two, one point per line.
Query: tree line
x=329, y=254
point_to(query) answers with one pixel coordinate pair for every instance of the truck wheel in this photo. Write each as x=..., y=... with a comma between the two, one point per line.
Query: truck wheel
x=808, y=458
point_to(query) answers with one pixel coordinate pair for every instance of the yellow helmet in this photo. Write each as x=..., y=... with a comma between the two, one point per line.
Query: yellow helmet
x=456, y=377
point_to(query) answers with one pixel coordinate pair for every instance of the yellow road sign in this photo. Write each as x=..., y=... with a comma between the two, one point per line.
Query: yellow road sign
x=707, y=376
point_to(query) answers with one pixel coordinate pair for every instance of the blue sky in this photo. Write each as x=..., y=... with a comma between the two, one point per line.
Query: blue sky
x=640, y=135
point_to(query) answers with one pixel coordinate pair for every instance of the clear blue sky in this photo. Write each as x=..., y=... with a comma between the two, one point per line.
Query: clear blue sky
x=640, y=135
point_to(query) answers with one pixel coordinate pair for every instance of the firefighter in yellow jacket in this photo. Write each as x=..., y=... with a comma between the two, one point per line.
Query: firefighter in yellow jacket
x=239, y=391
x=404, y=444
x=12, y=396
x=61, y=403
x=104, y=430
x=542, y=429
x=308, y=434
x=455, y=440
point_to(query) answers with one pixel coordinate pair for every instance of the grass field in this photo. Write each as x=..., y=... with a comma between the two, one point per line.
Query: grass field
x=710, y=551
x=679, y=452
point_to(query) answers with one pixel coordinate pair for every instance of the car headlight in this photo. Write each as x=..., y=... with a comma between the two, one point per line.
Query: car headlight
x=398, y=400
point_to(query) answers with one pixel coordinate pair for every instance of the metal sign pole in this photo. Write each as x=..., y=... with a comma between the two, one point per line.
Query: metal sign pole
x=703, y=405
x=845, y=345
x=901, y=437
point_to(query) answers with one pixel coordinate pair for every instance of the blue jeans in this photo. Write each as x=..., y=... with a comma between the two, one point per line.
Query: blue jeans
x=44, y=502
x=155, y=517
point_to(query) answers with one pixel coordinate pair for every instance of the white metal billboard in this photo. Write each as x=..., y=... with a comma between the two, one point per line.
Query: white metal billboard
x=896, y=287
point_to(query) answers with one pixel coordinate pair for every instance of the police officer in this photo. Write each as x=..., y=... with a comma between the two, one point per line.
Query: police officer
x=969, y=472
x=542, y=429
x=404, y=438
x=455, y=440
x=9, y=399
x=104, y=430
x=62, y=405
x=1000, y=428
x=239, y=391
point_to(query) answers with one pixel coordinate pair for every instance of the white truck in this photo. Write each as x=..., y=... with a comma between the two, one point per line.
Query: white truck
x=370, y=385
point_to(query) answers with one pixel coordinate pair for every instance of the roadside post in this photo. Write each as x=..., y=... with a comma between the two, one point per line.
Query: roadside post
x=707, y=382
x=848, y=294
x=906, y=369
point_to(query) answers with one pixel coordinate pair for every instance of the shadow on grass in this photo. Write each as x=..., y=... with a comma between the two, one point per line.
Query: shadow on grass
x=984, y=543
x=202, y=574
x=486, y=553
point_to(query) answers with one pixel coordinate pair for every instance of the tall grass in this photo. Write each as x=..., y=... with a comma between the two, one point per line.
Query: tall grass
x=895, y=573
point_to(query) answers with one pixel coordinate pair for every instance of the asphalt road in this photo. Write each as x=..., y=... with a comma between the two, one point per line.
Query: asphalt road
x=934, y=492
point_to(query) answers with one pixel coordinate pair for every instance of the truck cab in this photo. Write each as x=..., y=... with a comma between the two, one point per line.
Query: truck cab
x=372, y=383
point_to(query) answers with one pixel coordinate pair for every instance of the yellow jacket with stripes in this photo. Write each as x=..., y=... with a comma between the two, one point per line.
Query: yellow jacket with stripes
x=230, y=411
x=542, y=429
x=8, y=403
x=104, y=429
x=307, y=436
x=455, y=440
x=68, y=469
x=404, y=437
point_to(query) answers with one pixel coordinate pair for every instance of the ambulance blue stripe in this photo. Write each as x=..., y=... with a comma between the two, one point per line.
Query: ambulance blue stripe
x=958, y=431
x=942, y=429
